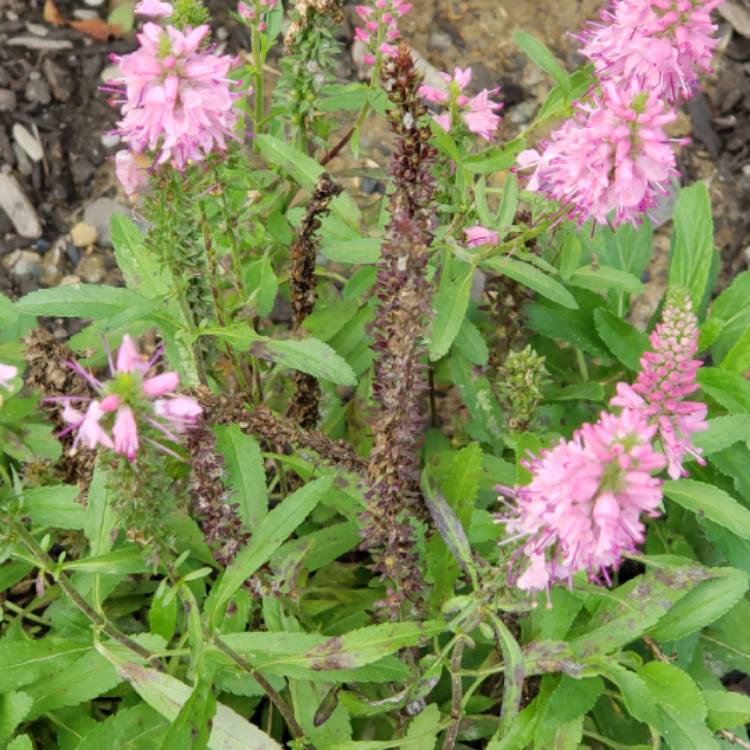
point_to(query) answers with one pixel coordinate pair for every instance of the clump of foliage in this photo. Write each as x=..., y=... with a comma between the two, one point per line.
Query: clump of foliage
x=350, y=476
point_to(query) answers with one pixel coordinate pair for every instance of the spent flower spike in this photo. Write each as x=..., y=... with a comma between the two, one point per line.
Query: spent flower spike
x=667, y=376
x=660, y=45
x=129, y=404
x=582, y=510
x=611, y=162
x=178, y=98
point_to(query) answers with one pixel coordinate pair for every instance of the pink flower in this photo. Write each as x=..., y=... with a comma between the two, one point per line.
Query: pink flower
x=246, y=11
x=658, y=45
x=381, y=28
x=613, y=158
x=131, y=404
x=478, y=113
x=153, y=8
x=583, y=507
x=179, y=102
x=667, y=376
x=7, y=373
x=130, y=175
x=125, y=433
x=478, y=235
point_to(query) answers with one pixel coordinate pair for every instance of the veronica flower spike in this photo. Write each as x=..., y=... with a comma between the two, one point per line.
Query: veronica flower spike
x=130, y=404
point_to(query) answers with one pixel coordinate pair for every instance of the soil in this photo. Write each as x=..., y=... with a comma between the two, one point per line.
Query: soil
x=54, y=94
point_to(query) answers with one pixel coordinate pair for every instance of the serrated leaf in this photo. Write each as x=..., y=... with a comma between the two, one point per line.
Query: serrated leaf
x=142, y=270
x=572, y=698
x=495, y=158
x=21, y=742
x=55, y=506
x=726, y=709
x=451, y=303
x=727, y=388
x=122, y=561
x=692, y=242
x=100, y=518
x=706, y=603
x=674, y=690
x=624, y=341
x=297, y=164
x=359, y=250
x=448, y=525
x=306, y=355
x=531, y=277
x=80, y=301
x=275, y=528
x=424, y=727
x=23, y=662
x=711, y=502
x=605, y=279
x=738, y=357
x=14, y=707
x=136, y=728
x=723, y=432
x=247, y=473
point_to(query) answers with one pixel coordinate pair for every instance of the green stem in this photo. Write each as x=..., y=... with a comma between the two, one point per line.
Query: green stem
x=258, y=65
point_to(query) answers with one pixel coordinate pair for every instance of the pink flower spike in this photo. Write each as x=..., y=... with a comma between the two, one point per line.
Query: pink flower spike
x=153, y=8
x=432, y=94
x=7, y=373
x=246, y=11
x=160, y=385
x=129, y=358
x=111, y=403
x=125, y=433
x=480, y=116
x=478, y=235
x=444, y=121
x=462, y=77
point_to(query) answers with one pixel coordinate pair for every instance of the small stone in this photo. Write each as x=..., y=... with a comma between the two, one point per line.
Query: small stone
x=85, y=15
x=91, y=269
x=94, y=3
x=83, y=234
x=110, y=140
x=99, y=213
x=7, y=100
x=82, y=170
x=59, y=80
x=23, y=163
x=35, y=42
x=28, y=142
x=16, y=204
x=51, y=264
x=37, y=91
x=70, y=280
x=23, y=263
x=523, y=112
x=37, y=29
x=746, y=170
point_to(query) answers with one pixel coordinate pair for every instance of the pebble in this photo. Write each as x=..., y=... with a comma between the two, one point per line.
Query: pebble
x=7, y=100
x=83, y=234
x=110, y=140
x=99, y=213
x=23, y=163
x=16, y=204
x=51, y=262
x=59, y=80
x=23, y=263
x=522, y=112
x=110, y=73
x=37, y=90
x=94, y=3
x=38, y=43
x=91, y=269
x=85, y=15
x=28, y=142
x=37, y=29
x=70, y=280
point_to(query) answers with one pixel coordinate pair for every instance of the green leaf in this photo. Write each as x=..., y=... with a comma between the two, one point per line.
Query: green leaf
x=572, y=698
x=423, y=728
x=726, y=709
x=167, y=695
x=451, y=303
x=262, y=285
x=367, y=645
x=244, y=464
x=26, y=661
x=674, y=690
x=55, y=506
x=723, y=432
x=297, y=164
x=162, y=615
x=513, y=678
x=100, y=518
x=631, y=609
x=80, y=301
x=706, y=603
x=125, y=560
x=506, y=213
x=471, y=344
x=306, y=355
x=538, y=53
x=137, y=728
x=143, y=271
x=738, y=357
x=495, y=158
x=269, y=536
x=534, y=279
x=321, y=547
x=570, y=256
x=192, y=725
x=14, y=707
x=572, y=326
x=624, y=341
x=729, y=317
x=360, y=250
x=330, y=318
x=605, y=279
x=692, y=242
x=21, y=743
x=727, y=388
x=711, y=502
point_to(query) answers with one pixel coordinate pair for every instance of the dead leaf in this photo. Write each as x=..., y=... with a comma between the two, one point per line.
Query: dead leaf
x=52, y=14
x=97, y=29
